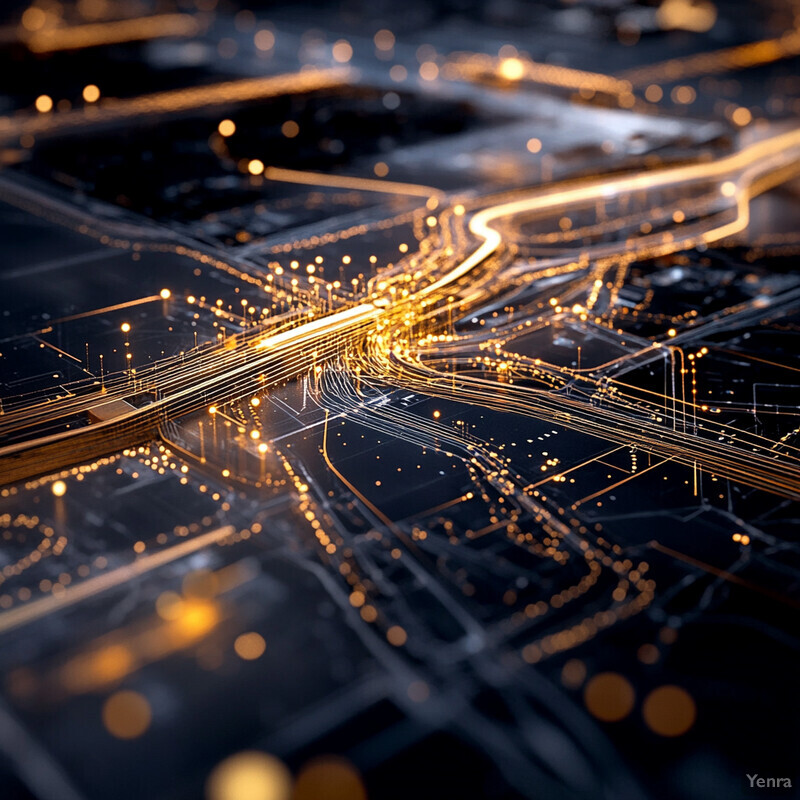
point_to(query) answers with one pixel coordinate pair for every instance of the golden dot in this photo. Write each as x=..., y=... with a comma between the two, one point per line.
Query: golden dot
x=125, y=327
x=91, y=93
x=59, y=488
x=262, y=448
x=648, y=654
x=381, y=169
x=33, y=18
x=384, y=40
x=126, y=714
x=683, y=95
x=573, y=673
x=264, y=40
x=165, y=294
x=669, y=711
x=728, y=189
x=227, y=127
x=357, y=599
x=459, y=210
x=533, y=145
x=653, y=93
x=255, y=166
x=512, y=69
x=342, y=51
x=671, y=332
x=742, y=116
x=139, y=547
x=329, y=777
x=428, y=71
x=255, y=402
x=396, y=636
x=609, y=696
x=398, y=73
x=44, y=103
x=250, y=646
x=249, y=776
x=290, y=129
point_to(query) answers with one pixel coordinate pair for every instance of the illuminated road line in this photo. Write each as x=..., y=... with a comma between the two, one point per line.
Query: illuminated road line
x=722, y=573
x=743, y=56
x=92, y=586
x=349, y=319
x=176, y=101
x=350, y=182
x=76, y=37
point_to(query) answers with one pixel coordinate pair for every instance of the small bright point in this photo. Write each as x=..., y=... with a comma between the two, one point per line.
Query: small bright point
x=384, y=40
x=533, y=145
x=255, y=402
x=33, y=18
x=512, y=69
x=212, y=409
x=91, y=93
x=728, y=188
x=59, y=488
x=381, y=169
x=250, y=646
x=653, y=93
x=44, y=103
x=671, y=332
x=249, y=775
x=255, y=166
x=342, y=51
x=227, y=127
x=262, y=448
x=126, y=714
x=742, y=116
x=264, y=40
x=165, y=294
x=429, y=71
x=125, y=327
